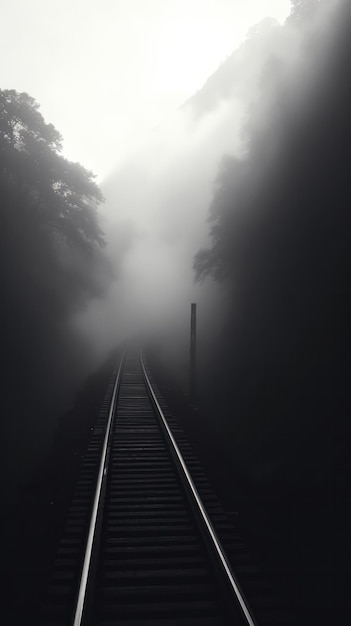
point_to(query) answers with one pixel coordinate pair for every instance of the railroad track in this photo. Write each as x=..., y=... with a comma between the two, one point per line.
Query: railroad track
x=140, y=546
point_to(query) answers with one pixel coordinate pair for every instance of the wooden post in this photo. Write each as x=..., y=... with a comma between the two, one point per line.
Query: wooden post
x=193, y=352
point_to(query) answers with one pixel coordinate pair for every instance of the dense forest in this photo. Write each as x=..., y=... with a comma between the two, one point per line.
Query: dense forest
x=280, y=242
x=52, y=264
x=280, y=246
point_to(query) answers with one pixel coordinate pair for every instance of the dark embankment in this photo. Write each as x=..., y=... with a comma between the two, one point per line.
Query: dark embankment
x=297, y=533
x=33, y=524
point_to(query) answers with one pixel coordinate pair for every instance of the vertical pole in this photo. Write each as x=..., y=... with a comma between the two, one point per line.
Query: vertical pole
x=193, y=352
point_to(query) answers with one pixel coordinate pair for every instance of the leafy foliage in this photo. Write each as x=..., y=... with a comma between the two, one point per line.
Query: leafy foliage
x=52, y=202
x=52, y=264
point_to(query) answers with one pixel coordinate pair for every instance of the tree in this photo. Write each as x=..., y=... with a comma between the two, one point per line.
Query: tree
x=279, y=378
x=280, y=242
x=54, y=201
x=51, y=265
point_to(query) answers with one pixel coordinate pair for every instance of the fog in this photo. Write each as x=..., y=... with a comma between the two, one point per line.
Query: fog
x=157, y=202
x=80, y=304
x=223, y=181
x=63, y=311
x=155, y=219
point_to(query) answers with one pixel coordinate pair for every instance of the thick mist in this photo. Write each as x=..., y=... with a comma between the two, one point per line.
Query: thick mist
x=157, y=202
x=238, y=201
x=263, y=144
x=58, y=322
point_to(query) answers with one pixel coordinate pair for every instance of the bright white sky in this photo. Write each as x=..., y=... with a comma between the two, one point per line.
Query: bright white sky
x=106, y=71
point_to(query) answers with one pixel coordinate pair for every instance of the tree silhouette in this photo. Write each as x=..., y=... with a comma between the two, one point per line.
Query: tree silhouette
x=52, y=264
x=280, y=242
x=51, y=202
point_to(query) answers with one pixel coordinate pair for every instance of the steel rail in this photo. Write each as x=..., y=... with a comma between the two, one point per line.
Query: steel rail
x=218, y=550
x=82, y=593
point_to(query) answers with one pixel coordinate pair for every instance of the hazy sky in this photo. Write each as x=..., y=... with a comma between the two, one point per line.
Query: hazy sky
x=106, y=72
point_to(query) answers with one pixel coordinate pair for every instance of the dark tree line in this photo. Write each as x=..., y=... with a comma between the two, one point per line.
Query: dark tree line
x=52, y=264
x=280, y=228
x=280, y=224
